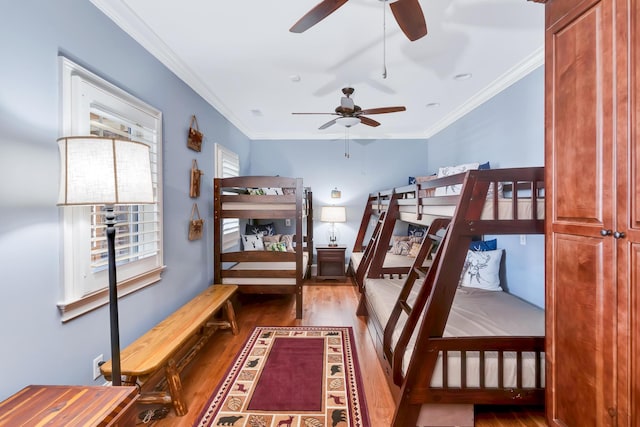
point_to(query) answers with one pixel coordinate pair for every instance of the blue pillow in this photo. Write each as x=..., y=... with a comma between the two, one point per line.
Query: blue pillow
x=264, y=229
x=484, y=166
x=416, y=231
x=412, y=180
x=484, y=245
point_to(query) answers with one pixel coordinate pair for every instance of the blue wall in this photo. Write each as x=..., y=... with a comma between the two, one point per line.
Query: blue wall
x=36, y=347
x=373, y=165
x=508, y=131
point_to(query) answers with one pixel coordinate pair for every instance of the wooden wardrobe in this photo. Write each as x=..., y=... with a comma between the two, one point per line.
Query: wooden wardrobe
x=593, y=212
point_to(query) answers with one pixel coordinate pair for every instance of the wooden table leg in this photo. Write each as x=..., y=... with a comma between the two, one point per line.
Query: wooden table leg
x=175, y=388
x=231, y=317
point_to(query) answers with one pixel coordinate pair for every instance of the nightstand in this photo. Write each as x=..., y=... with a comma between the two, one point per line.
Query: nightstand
x=331, y=262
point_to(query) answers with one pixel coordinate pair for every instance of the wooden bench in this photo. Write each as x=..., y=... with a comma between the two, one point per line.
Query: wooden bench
x=171, y=345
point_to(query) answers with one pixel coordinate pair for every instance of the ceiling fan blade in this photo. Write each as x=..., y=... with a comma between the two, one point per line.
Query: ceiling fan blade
x=367, y=121
x=333, y=114
x=382, y=110
x=317, y=14
x=329, y=123
x=410, y=18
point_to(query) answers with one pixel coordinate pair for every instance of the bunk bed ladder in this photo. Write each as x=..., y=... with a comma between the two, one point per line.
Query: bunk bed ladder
x=369, y=250
x=374, y=266
x=416, y=274
x=438, y=292
x=364, y=224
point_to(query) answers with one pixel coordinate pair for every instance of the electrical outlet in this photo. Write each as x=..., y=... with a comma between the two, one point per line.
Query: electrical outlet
x=523, y=239
x=287, y=222
x=96, y=366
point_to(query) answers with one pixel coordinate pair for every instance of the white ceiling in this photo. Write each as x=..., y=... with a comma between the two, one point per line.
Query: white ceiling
x=240, y=56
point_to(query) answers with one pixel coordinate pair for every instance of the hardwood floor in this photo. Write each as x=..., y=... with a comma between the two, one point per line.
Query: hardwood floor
x=325, y=304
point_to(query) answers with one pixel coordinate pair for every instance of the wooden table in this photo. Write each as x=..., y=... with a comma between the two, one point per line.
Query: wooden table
x=70, y=406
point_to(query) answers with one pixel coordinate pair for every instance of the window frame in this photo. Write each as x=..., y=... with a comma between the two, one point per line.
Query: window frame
x=79, y=294
x=222, y=155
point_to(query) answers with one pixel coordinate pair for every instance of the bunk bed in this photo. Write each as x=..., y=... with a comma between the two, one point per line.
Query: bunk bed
x=387, y=263
x=439, y=342
x=282, y=266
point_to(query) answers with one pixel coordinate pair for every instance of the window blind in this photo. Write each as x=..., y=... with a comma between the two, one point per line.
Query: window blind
x=228, y=165
x=138, y=226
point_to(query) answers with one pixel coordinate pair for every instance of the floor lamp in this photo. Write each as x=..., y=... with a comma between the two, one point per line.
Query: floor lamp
x=106, y=171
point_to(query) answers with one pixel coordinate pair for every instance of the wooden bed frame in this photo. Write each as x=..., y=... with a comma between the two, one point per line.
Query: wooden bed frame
x=232, y=201
x=383, y=207
x=431, y=309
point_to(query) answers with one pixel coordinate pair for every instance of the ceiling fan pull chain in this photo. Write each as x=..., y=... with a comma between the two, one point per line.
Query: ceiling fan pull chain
x=346, y=143
x=384, y=39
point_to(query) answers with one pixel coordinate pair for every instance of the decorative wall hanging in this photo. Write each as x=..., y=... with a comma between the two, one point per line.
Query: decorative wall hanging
x=196, y=174
x=194, y=139
x=196, y=224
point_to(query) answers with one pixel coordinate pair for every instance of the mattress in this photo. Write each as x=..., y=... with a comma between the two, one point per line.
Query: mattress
x=505, y=210
x=240, y=206
x=475, y=312
x=276, y=265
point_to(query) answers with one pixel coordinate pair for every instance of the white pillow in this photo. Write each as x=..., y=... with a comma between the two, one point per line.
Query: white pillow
x=482, y=270
x=451, y=190
x=252, y=242
x=272, y=191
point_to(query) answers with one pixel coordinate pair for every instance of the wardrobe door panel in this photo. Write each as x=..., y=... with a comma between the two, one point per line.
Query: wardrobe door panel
x=584, y=329
x=579, y=129
x=631, y=221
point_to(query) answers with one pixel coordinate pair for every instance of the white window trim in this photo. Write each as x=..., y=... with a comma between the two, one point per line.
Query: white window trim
x=232, y=239
x=73, y=303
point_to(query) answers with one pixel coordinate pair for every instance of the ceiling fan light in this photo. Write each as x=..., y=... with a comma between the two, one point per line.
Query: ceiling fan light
x=348, y=121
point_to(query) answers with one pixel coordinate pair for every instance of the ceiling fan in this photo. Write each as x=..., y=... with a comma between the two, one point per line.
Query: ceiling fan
x=408, y=14
x=351, y=114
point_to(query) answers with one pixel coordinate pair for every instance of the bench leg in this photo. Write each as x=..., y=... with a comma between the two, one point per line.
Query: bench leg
x=231, y=317
x=175, y=388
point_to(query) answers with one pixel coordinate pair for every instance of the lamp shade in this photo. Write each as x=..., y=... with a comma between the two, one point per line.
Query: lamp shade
x=348, y=121
x=104, y=171
x=333, y=214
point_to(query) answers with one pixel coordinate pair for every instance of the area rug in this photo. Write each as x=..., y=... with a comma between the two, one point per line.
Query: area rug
x=291, y=377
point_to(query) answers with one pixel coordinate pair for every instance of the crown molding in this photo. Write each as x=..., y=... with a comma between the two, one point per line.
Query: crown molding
x=124, y=17
x=515, y=73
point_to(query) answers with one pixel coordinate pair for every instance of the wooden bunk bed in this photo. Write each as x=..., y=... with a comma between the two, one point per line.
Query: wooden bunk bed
x=427, y=359
x=381, y=211
x=263, y=271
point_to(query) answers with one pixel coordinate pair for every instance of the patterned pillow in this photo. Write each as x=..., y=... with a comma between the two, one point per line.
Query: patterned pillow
x=484, y=245
x=453, y=170
x=252, y=242
x=272, y=191
x=264, y=229
x=287, y=239
x=417, y=231
x=271, y=239
x=415, y=248
x=401, y=247
x=482, y=270
x=276, y=246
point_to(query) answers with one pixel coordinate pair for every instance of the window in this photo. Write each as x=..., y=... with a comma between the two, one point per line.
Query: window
x=92, y=106
x=228, y=165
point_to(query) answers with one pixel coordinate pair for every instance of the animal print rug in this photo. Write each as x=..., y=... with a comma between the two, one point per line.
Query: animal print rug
x=291, y=377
